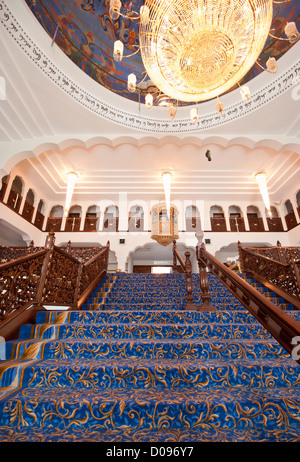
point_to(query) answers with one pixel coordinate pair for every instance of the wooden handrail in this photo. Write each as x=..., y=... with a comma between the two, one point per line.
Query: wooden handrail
x=187, y=268
x=260, y=266
x=47, y=277
x=280, y=325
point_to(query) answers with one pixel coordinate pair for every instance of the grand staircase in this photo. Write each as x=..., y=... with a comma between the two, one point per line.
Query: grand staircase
x=135, y=366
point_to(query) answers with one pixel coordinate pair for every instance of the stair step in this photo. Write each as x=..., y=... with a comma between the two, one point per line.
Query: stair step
x=147, y=348
x=171, y=374
x=151, y=330
x=148, y=438
x=162, y=316
x=134, y=409
x=135, y=365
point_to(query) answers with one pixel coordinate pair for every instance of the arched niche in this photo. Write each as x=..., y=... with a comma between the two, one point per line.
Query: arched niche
x=16, y=193
x=217, y=218
x=274, y=220
x=73, y=219
x=255, y=220
x=111, y=218
x=136, y=218
x=91, y=222
x=290, y=217
x=28, y=208
x=55, y=218
x=40, y=217
x=4, y=183
x=192, y=219
x=236, y=219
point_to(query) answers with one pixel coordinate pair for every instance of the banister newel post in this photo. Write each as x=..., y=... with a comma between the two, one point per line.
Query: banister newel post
x=49, y=244
x=174, y=257
x=189, y=288
x=204, y=283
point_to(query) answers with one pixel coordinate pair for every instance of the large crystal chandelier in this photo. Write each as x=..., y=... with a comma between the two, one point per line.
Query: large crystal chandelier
x=195, y=50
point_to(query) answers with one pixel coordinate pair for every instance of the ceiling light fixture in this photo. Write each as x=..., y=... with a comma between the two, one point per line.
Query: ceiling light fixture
x=167, y=177
x=261, y=181
x=197, y=50
x=72, y=177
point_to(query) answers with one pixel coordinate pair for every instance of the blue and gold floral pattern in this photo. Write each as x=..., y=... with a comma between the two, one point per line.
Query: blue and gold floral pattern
x=149, y=370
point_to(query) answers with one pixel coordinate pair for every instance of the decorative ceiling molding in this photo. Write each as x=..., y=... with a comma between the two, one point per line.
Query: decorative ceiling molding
x=279, y=85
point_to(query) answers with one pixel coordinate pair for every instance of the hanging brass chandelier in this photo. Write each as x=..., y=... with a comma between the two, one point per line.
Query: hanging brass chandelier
x=197, y=50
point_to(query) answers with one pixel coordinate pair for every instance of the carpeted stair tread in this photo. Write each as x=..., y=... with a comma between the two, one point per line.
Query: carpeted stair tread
x=151, y=330
x=153, y=409
x=171, y=373
x=134, y=365
x=110, y=316
x=78, y=433
x=149, y=348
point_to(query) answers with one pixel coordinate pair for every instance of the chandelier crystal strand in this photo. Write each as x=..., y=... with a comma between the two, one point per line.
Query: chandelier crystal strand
x=195, y=50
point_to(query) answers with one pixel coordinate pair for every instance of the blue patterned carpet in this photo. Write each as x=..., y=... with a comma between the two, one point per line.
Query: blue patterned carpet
x=134, y=365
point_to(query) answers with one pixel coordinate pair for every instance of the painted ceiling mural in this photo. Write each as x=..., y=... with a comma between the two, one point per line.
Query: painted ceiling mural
x=85, y=33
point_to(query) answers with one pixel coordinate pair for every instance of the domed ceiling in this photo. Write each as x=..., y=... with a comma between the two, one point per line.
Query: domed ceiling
x=86, y=34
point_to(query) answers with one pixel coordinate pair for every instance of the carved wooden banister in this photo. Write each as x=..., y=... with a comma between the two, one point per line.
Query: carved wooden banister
x=187, y=269
x=282, y=326
x=285, y=276
x=46, y=277
x=204, y=283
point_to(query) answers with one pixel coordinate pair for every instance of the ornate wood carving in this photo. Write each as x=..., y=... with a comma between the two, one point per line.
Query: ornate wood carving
x=72, y=224
x=275, y=264
x=27, y=212
x=39, y=220
x=237, y=224
x=277, y=322
x=256, y=224
x=290, y=220
x=14, y=200
x=218, y=224
x=54, y=224
x=48, y=276
x=275, y=224
x=91, y=224
x=204, y=283
x=19, y=282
